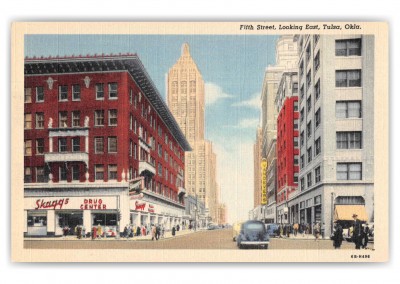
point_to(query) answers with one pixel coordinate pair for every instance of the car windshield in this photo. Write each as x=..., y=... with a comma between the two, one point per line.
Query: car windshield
x=254, y=226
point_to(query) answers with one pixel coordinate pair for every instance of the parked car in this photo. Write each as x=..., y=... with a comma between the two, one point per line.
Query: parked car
x=253, y=234
x=212, y=227
x=236, y=230
x=272, y=229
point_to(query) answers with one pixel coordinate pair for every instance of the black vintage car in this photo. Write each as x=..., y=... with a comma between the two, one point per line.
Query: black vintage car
x=253, y=234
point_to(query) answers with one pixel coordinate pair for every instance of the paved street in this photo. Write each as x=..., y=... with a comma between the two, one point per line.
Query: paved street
x=215, y=239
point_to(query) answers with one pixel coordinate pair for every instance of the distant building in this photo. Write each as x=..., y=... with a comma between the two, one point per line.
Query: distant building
x=100, y=146
x=186, y=100
x=257, y=148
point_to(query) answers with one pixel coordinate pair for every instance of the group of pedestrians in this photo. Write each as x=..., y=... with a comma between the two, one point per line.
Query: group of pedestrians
x=359, y=233
x=286, y=230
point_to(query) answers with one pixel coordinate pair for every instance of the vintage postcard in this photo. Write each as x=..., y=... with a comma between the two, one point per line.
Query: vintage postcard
x=200, y=142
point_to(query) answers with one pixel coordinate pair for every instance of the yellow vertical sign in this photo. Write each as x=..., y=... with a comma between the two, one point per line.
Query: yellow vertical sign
x=264, y=197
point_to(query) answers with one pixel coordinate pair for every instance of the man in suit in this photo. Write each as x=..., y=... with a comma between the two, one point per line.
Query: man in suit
x=357, y=231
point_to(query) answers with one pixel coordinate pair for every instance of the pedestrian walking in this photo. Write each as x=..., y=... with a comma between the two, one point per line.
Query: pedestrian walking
x=357, y=232
x=99, y=231
x=143, y=230
x=280, y=230
x=84, y=231
x=153, y=232
x=138, y=231
x=65, y=231
x=295, y=229
x=337, y=236
x=173, y=231
x=317, y=230
x=162, y=231
x=366, y=236
x=94, y=232
x=106, y=230
x=158, y=232
x=79, y=232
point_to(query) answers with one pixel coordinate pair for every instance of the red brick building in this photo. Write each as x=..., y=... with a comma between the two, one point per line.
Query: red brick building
x=287, y=142
x=98, y=127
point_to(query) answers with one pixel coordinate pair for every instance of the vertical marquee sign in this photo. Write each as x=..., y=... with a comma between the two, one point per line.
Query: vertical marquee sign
x=264, y=197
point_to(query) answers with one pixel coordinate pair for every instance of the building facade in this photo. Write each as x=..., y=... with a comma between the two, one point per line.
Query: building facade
x=257, y=148
x=336, y=102
x=287, y=142
x=185, y=96
x=286, y=59
x=101, y=146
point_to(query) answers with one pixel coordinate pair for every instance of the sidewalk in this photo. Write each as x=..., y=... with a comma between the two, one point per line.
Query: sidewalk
x=167, y=235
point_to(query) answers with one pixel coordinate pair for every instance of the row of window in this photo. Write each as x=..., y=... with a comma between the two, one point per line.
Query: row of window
x=75, y=91
x=183, y=87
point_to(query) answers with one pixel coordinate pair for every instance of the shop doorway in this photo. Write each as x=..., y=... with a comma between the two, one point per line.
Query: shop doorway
x=70, y=220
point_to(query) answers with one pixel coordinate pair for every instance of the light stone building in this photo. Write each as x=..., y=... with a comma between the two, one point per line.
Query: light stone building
x=336, y=102
x=186, y=100
x=257, y=168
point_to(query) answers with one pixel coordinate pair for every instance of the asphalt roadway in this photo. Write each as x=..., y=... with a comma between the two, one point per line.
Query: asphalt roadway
x=212, y=239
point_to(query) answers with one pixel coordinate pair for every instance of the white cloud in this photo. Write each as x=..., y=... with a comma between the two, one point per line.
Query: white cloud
x=253, y=102
x=214, y=92
x=248, y=123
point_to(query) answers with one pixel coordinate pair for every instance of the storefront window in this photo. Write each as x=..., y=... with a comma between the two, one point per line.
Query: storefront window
x=37, y=221
x=105, y=219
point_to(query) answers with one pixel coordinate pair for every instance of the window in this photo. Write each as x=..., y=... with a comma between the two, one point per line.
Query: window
x=99, y=145
x=160, y=169
x=112, y=144
x=348, y=140
x=192, y=86
x=318, y=146
x=348, y=78
x=28, y=174
x=41, y=175
x=75, y=172
x=316, y=38
x=348, y=47
x=316, y=61
x=317, y=173
x=99, y=117
x=296, y=178
x=317, y=90
x=308, y=52
x=309, y=129
x=296, y=106
x=135, y=151
x=302, y=139
x=296, y=160
x=105, y=219
x=309, y=104
x=302, y=161
x=130, y=96
x=99, y=172
x=130, y=148
x=302, y=184
x=308, y=78
x=62, y=144
x=302, y=92
x=349, y=171
x=63, y=173
x=296, y=142
x=302, y=114
x=309, y=154
x=100, y=91
x=63, y=93
x=39, y=146
x=159, y=150
x=27, y=95
x=27, y=121
x=295, y=88
x=301, y=68
x=112, y=117
x=174, y=88
x=309, y=179
x=39, y=94
x=62, y=119
x=76, y=118
x=76, y=144
x=113, y=91
x=348, y=109
x=183, y=87
x=317, y=118
x=76, y=92
x=112, y=172
x=130, y=122
x=28, y=148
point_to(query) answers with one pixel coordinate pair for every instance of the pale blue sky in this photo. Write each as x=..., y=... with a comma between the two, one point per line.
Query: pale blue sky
x=232, y=67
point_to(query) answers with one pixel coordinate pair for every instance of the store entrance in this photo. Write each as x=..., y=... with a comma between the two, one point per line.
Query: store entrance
x=70, y=220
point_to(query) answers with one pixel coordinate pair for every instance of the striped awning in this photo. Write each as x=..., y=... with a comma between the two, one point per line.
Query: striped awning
x=345, y=212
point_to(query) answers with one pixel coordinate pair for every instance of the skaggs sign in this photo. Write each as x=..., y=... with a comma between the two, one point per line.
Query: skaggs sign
x=42, y=204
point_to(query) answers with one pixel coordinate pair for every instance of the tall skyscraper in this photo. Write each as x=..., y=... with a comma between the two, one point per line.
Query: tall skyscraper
x=186, y=100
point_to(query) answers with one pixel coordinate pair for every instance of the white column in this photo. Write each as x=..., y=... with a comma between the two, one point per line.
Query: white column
x=139, y=218
x=51, y=222
x=87, y=220
x=26, y=221
x=51, y=144
x=87, y=144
